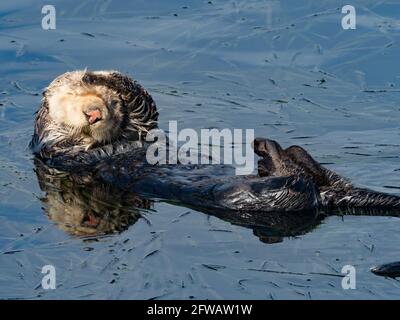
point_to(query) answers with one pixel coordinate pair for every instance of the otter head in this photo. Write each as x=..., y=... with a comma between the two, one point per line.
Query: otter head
x=93, y=112
x=86, y=109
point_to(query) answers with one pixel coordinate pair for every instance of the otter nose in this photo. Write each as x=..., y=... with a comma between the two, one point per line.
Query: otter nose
x=93, y=116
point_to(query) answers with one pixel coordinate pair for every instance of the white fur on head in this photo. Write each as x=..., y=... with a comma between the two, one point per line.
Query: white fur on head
x=68, y=98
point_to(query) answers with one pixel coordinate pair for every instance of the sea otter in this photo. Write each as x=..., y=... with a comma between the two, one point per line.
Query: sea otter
x=93, y=124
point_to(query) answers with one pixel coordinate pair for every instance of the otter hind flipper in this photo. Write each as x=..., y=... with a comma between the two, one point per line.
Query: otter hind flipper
x=335, y=190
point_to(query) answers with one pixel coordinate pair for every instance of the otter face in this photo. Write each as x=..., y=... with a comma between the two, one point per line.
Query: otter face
x=90, y=112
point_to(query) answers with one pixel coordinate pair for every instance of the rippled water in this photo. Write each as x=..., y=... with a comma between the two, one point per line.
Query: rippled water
x=286, y=69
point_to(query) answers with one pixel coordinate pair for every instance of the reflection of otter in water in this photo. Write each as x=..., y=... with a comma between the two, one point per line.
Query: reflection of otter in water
x=92, y=124
x=87, y=209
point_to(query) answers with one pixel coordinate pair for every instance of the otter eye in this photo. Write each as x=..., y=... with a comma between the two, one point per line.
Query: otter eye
x=112, y=105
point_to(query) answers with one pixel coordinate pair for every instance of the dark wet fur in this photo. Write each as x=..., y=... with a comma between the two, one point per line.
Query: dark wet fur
x=283, y=184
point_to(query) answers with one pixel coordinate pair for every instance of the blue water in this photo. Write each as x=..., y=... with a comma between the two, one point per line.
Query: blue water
x=286, y=69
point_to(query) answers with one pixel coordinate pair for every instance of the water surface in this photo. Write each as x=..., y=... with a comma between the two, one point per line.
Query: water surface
x=286, y=69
